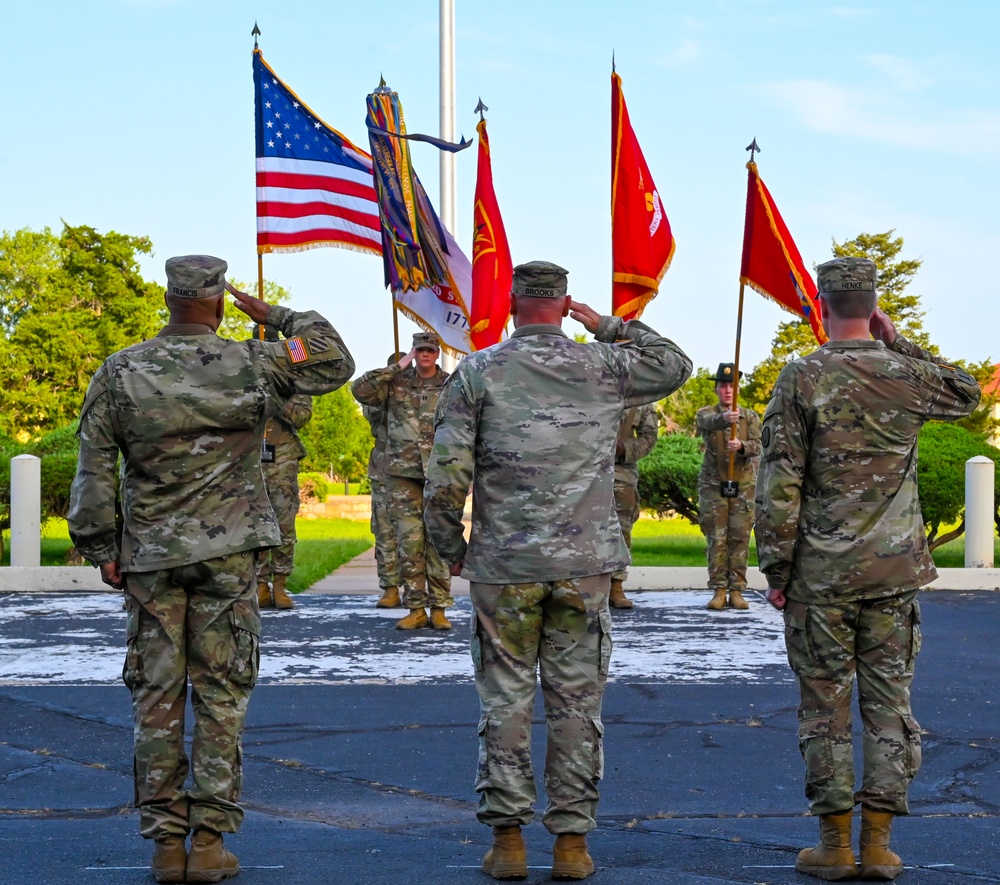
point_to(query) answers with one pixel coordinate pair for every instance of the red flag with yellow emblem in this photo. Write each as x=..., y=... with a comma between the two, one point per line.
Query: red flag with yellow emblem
x=642, y=243
x=771, y=262
x=492, y=268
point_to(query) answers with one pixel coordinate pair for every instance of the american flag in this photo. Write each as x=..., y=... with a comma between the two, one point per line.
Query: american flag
x=314, y=187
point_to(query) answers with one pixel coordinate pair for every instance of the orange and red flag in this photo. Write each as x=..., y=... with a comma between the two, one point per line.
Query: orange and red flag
x=771, y=261
x=642, y=244
x=492, y=268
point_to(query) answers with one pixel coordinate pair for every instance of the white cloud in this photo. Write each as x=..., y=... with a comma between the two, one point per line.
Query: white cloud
x=902, y=72
x=826, y=107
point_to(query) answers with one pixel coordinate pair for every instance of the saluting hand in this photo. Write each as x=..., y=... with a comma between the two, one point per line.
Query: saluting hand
x=406, y=360
x=254, y=308
x=585, y=315
x=882, y=328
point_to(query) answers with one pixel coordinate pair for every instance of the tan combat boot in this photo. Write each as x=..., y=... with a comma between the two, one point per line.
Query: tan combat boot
x=209, y=861
x=281, y=597
x=507, y=859
x=390, y=598
x=617, y=598
x=718, y=602
x=737, y=601
x=438, y=620
x=570, y=859
x=833, y=858
x=414, y=620
x=877, y=861
x=169, y=859
x=263, y=594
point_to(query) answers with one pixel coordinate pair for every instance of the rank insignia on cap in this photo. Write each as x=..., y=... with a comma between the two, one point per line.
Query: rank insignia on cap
x=297, y=351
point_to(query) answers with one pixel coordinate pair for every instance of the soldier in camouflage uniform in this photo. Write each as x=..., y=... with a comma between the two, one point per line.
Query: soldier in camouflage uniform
x=636, y=438
x=186, y=410
x=726, y=522
x=409, y=397
x=532, y=422
x=841, y=541
x=386, y=557
x=281, y=477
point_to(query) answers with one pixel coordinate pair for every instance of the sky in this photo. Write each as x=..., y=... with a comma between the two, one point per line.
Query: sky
x=137, y=116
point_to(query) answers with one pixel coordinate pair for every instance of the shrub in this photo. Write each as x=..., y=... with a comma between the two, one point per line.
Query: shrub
x=314, y=487
x=944, y=449
x=668, y=476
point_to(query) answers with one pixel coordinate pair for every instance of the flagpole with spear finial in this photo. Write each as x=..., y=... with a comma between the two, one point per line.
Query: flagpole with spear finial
x=255, y=33
x=729, y=488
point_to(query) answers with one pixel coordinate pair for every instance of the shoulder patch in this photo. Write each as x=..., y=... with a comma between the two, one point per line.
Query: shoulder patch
x=297, y=350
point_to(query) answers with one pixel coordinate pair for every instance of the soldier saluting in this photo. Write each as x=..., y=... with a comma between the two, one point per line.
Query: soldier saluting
x=841, y=541
x=187, y=410
x=532, y=422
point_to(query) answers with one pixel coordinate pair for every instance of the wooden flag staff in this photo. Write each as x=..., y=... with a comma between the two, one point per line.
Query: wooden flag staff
x=729, y=488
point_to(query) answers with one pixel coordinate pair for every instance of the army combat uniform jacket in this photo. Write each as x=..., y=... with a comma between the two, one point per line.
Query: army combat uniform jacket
x=637, y=434
x=191, y=482
x=837, y=512
x=537, y=415
x=409, y=402
x=281, y=430
x=714, y=430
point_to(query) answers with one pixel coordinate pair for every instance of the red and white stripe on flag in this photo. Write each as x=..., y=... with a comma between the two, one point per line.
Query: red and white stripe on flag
x=303, y=203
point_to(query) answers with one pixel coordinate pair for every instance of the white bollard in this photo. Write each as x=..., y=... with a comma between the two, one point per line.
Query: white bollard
x=25, y=511
x=979, y=486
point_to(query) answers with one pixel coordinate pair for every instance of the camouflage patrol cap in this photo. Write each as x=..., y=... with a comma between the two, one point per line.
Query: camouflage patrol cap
x=846, y=275
x=196, y=276
x=539, y=279
x=725, y=372
x=426, y=339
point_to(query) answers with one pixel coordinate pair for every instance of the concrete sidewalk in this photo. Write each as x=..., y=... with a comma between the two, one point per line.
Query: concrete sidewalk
x=359, y=576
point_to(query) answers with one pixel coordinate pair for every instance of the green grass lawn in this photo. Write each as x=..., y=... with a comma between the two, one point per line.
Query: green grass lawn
x=677, y=542
x=323, y=545
x=326, y=544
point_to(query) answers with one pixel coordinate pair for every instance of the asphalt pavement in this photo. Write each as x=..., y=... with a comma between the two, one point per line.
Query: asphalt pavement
x=360, y=749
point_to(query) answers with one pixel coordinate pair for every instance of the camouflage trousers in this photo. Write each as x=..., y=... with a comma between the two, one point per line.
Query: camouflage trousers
x=196, y=624
x=876, y=641
x=562, y=631
x=425, y=579
x=726, y=524
x=282, y=481
x=627, y=507
x=386, y=559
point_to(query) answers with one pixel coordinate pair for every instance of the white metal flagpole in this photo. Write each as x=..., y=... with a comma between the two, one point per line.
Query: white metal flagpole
x=447, y=92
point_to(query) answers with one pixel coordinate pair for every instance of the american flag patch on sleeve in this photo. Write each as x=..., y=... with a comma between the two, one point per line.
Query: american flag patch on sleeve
x=297, y=350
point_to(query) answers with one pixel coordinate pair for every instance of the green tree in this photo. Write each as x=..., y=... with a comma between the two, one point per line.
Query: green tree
x=795, y=338
x=944, y=449
x=678, y=410
x=65, y=304
x=668, y=476
x=338, y=437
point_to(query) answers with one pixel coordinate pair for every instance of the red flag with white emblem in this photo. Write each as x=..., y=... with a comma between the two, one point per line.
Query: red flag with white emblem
x=642, y=244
